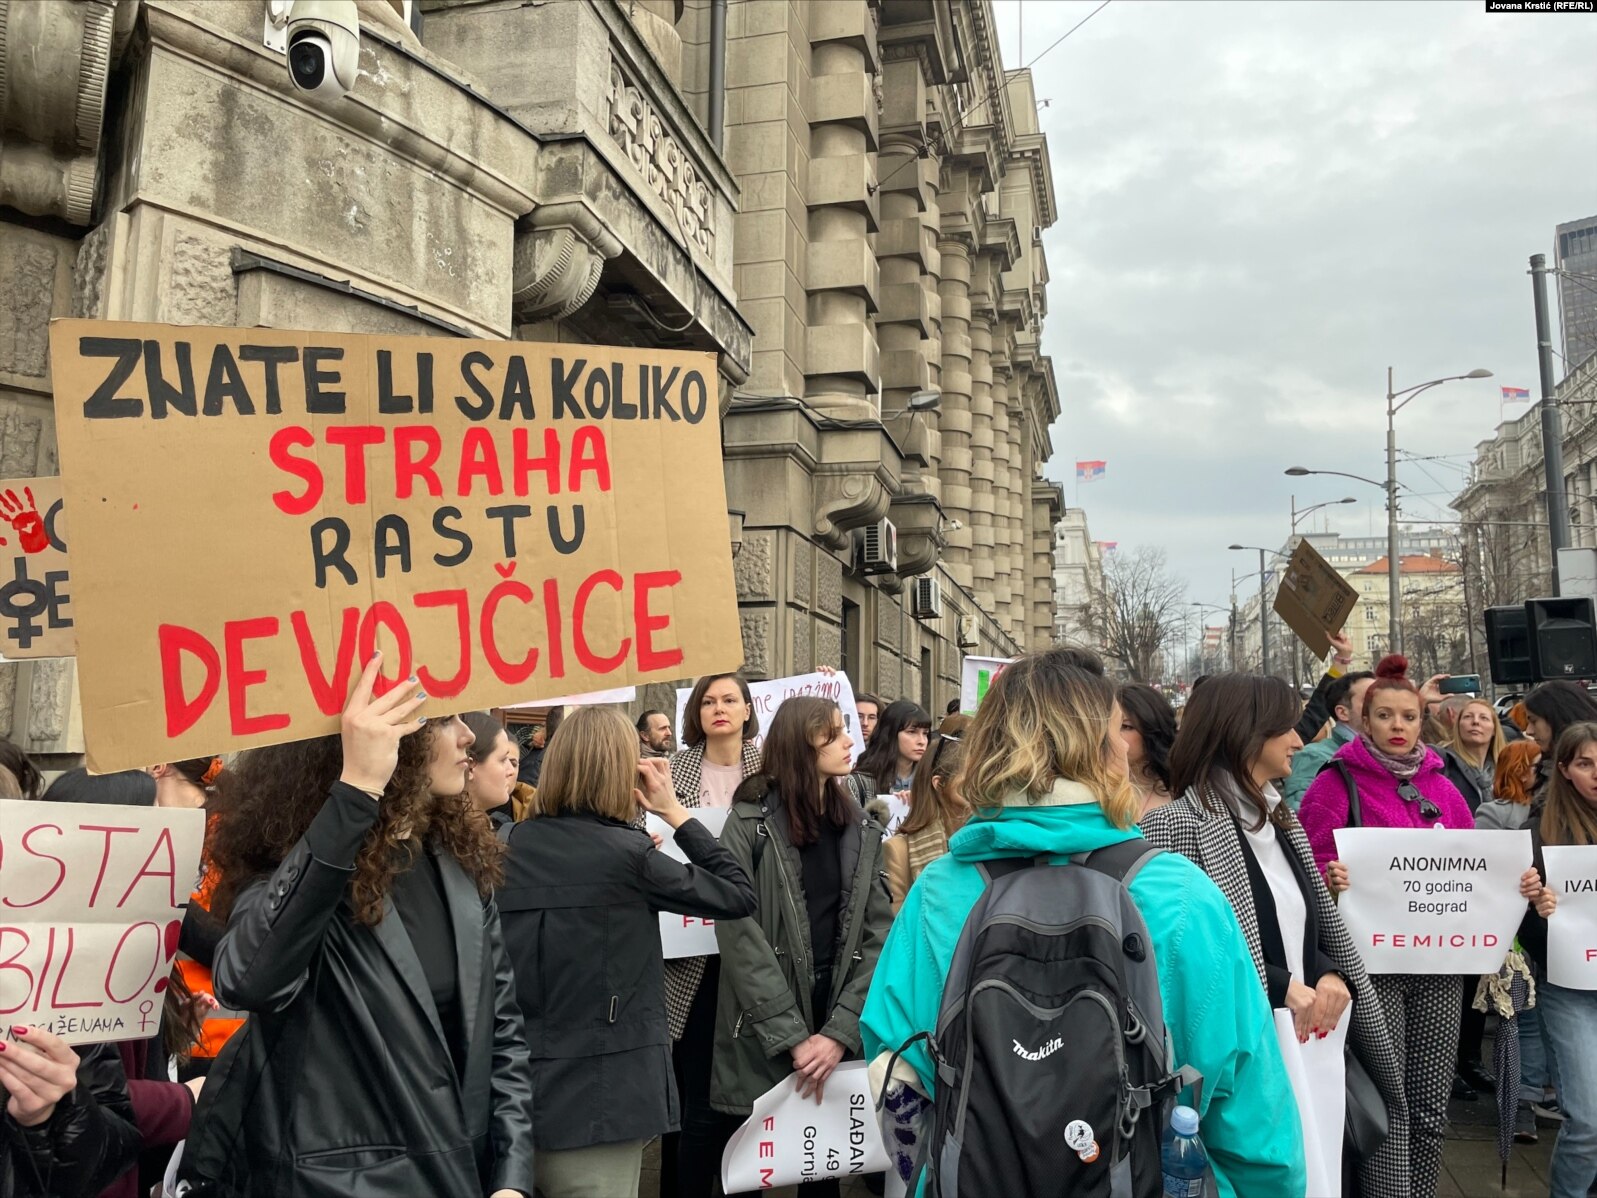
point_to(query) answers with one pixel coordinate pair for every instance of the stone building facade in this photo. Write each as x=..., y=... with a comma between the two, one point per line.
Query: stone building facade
x=844, y=201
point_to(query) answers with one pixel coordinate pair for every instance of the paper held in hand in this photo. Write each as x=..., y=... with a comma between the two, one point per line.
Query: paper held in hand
x=686, y=935
x=92, y=899
x=1432, y=900
x=1317, y=1071
x=1314, y=599
x=789, y=1140
x=1572, y=929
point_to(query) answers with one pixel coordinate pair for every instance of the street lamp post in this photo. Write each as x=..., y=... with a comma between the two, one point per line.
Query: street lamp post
x=1264, y=611
x=1394, y=582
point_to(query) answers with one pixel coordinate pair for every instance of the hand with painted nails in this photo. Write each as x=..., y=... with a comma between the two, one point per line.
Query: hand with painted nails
x=1300, y=1001
x=37, y=1069
x=1331, y=999
x=372, y=728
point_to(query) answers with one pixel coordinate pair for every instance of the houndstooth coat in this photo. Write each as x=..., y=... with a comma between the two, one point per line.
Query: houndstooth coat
x=683, y=974
x=1211, y=841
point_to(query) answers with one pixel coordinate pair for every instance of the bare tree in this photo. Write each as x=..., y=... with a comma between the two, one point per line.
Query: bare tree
x=1139, y=611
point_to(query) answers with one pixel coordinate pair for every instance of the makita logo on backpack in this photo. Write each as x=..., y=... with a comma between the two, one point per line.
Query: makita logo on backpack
x=1047, y=1050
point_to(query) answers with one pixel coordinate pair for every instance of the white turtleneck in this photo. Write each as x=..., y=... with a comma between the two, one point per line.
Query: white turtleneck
x=1291, y=911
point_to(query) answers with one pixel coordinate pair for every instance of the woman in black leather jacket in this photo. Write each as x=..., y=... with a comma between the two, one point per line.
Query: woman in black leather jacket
x=68, y=1128
x=384, y=1052
x=581, y=900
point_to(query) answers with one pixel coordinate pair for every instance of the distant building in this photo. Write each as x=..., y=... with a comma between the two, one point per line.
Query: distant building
x=1576, y=253
x=1078, y=572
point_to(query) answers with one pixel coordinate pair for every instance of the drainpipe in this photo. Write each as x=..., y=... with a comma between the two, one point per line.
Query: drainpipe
x=717, y=72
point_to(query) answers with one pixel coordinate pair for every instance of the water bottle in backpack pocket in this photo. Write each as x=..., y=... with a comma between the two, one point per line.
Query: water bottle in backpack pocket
x=1182, y=1160
x=1053, y=1068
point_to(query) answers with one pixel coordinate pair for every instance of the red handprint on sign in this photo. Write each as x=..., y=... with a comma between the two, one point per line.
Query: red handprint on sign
x=25, y=519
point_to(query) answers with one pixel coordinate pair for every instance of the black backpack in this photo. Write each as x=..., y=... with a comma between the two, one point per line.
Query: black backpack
x=1054, y=1070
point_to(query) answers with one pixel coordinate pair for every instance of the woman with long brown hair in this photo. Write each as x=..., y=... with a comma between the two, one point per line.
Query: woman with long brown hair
x=1569, y=1016
x=1237, y=741
x=384, y=1053
x=794, y=975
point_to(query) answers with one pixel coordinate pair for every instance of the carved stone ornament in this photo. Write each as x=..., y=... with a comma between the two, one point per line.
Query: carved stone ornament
x=660, y=160
x=560, y=254
x=846, y=500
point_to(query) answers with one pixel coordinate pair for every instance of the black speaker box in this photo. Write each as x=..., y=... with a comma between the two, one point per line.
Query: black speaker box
x=1508, y=646
x=1563, y=638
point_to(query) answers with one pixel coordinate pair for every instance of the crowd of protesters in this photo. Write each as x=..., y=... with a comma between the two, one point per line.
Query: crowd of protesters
x=424, y=957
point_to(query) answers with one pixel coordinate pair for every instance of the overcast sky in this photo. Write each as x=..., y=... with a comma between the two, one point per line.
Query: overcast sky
x=1261, y=207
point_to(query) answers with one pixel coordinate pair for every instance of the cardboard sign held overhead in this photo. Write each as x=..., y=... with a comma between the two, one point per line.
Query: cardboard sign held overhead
x=1314, y=599
x=260, y=510
x=93, y=899
x=35, y=607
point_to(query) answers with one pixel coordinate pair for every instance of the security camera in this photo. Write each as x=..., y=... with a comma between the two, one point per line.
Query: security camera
x=324, y=47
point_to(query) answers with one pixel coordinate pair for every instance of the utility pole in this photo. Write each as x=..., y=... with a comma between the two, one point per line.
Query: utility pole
x=1233, y=623
x=1394, y=563
x=1264, y=621
x=1552, y=420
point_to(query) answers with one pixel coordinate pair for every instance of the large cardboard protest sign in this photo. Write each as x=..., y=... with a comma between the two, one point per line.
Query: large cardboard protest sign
x=687, y=935
x=790, y=1140
x=91, y=904
x=1428, y=900
x=35, y=599
x=976, y=675
x=769, y=694
x=258, y=510
x=1314, y=599
x=1572, y=929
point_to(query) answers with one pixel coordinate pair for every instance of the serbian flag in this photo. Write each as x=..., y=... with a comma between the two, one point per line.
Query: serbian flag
x=1515, y=395
x=1089, y=472
x=1107, y=546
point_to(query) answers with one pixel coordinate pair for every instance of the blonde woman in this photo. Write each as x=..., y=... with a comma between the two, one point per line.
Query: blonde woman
x=1045, y=775
x=1469, y=757
x=580, y=902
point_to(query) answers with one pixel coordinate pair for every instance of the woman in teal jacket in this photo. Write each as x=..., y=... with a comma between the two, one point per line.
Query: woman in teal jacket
x=1045, y=770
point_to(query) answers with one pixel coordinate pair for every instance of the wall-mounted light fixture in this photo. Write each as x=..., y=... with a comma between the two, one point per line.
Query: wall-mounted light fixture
x=735, y=520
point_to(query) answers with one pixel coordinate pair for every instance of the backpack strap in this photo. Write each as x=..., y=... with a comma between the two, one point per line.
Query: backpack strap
x=503, y=831
x=1355, y=813
x=995, y=868
x=1122, y=862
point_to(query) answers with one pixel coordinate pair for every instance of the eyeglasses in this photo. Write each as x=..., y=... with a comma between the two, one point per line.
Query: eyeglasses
x=1409, y=793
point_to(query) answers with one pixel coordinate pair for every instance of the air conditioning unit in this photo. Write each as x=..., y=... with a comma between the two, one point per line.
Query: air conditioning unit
x=967, y=632
x=877, y=548
x=928, y=598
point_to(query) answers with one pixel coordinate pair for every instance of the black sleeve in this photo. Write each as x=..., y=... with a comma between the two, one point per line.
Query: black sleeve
x=1533, y=928
x=201, y=933
x=714, y=886
x=1316, y=711
x=89, y=1140
x=277, y=925
x=1276, y=981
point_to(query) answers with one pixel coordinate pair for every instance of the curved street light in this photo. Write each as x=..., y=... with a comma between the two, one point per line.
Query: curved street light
x=1264, y=611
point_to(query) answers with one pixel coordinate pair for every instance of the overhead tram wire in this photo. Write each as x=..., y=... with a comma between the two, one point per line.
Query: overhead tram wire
x=928, y=150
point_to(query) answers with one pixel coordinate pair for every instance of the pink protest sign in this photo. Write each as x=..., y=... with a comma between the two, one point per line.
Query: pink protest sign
x=91, y=903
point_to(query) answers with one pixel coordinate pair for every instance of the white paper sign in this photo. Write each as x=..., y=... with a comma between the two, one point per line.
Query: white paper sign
x=768, y=696
x=1432, y=900
x=1572, y=929
x=976, y=674
x=686, y=935
x=1317, y=1071
x=789, y=1140
x=618, y=694
x=897, y=813
x=91, y=904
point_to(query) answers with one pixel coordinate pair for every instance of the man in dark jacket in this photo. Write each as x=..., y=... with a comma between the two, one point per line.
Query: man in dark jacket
x=77, y=1133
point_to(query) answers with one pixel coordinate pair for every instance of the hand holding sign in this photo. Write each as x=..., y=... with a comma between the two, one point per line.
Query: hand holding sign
x=373, y=727
x=38, y=1070
x=813, y=1061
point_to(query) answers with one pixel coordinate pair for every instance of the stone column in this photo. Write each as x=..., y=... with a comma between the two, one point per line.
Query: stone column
x=1022, y=469
x=1008, y=573
x=981, y=434
x=842, y=368
x=955, y=418
x=901, y=324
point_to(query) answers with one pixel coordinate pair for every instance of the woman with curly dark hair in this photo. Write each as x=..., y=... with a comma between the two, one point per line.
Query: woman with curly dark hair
x=384, y=1053
x=1148, y=726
